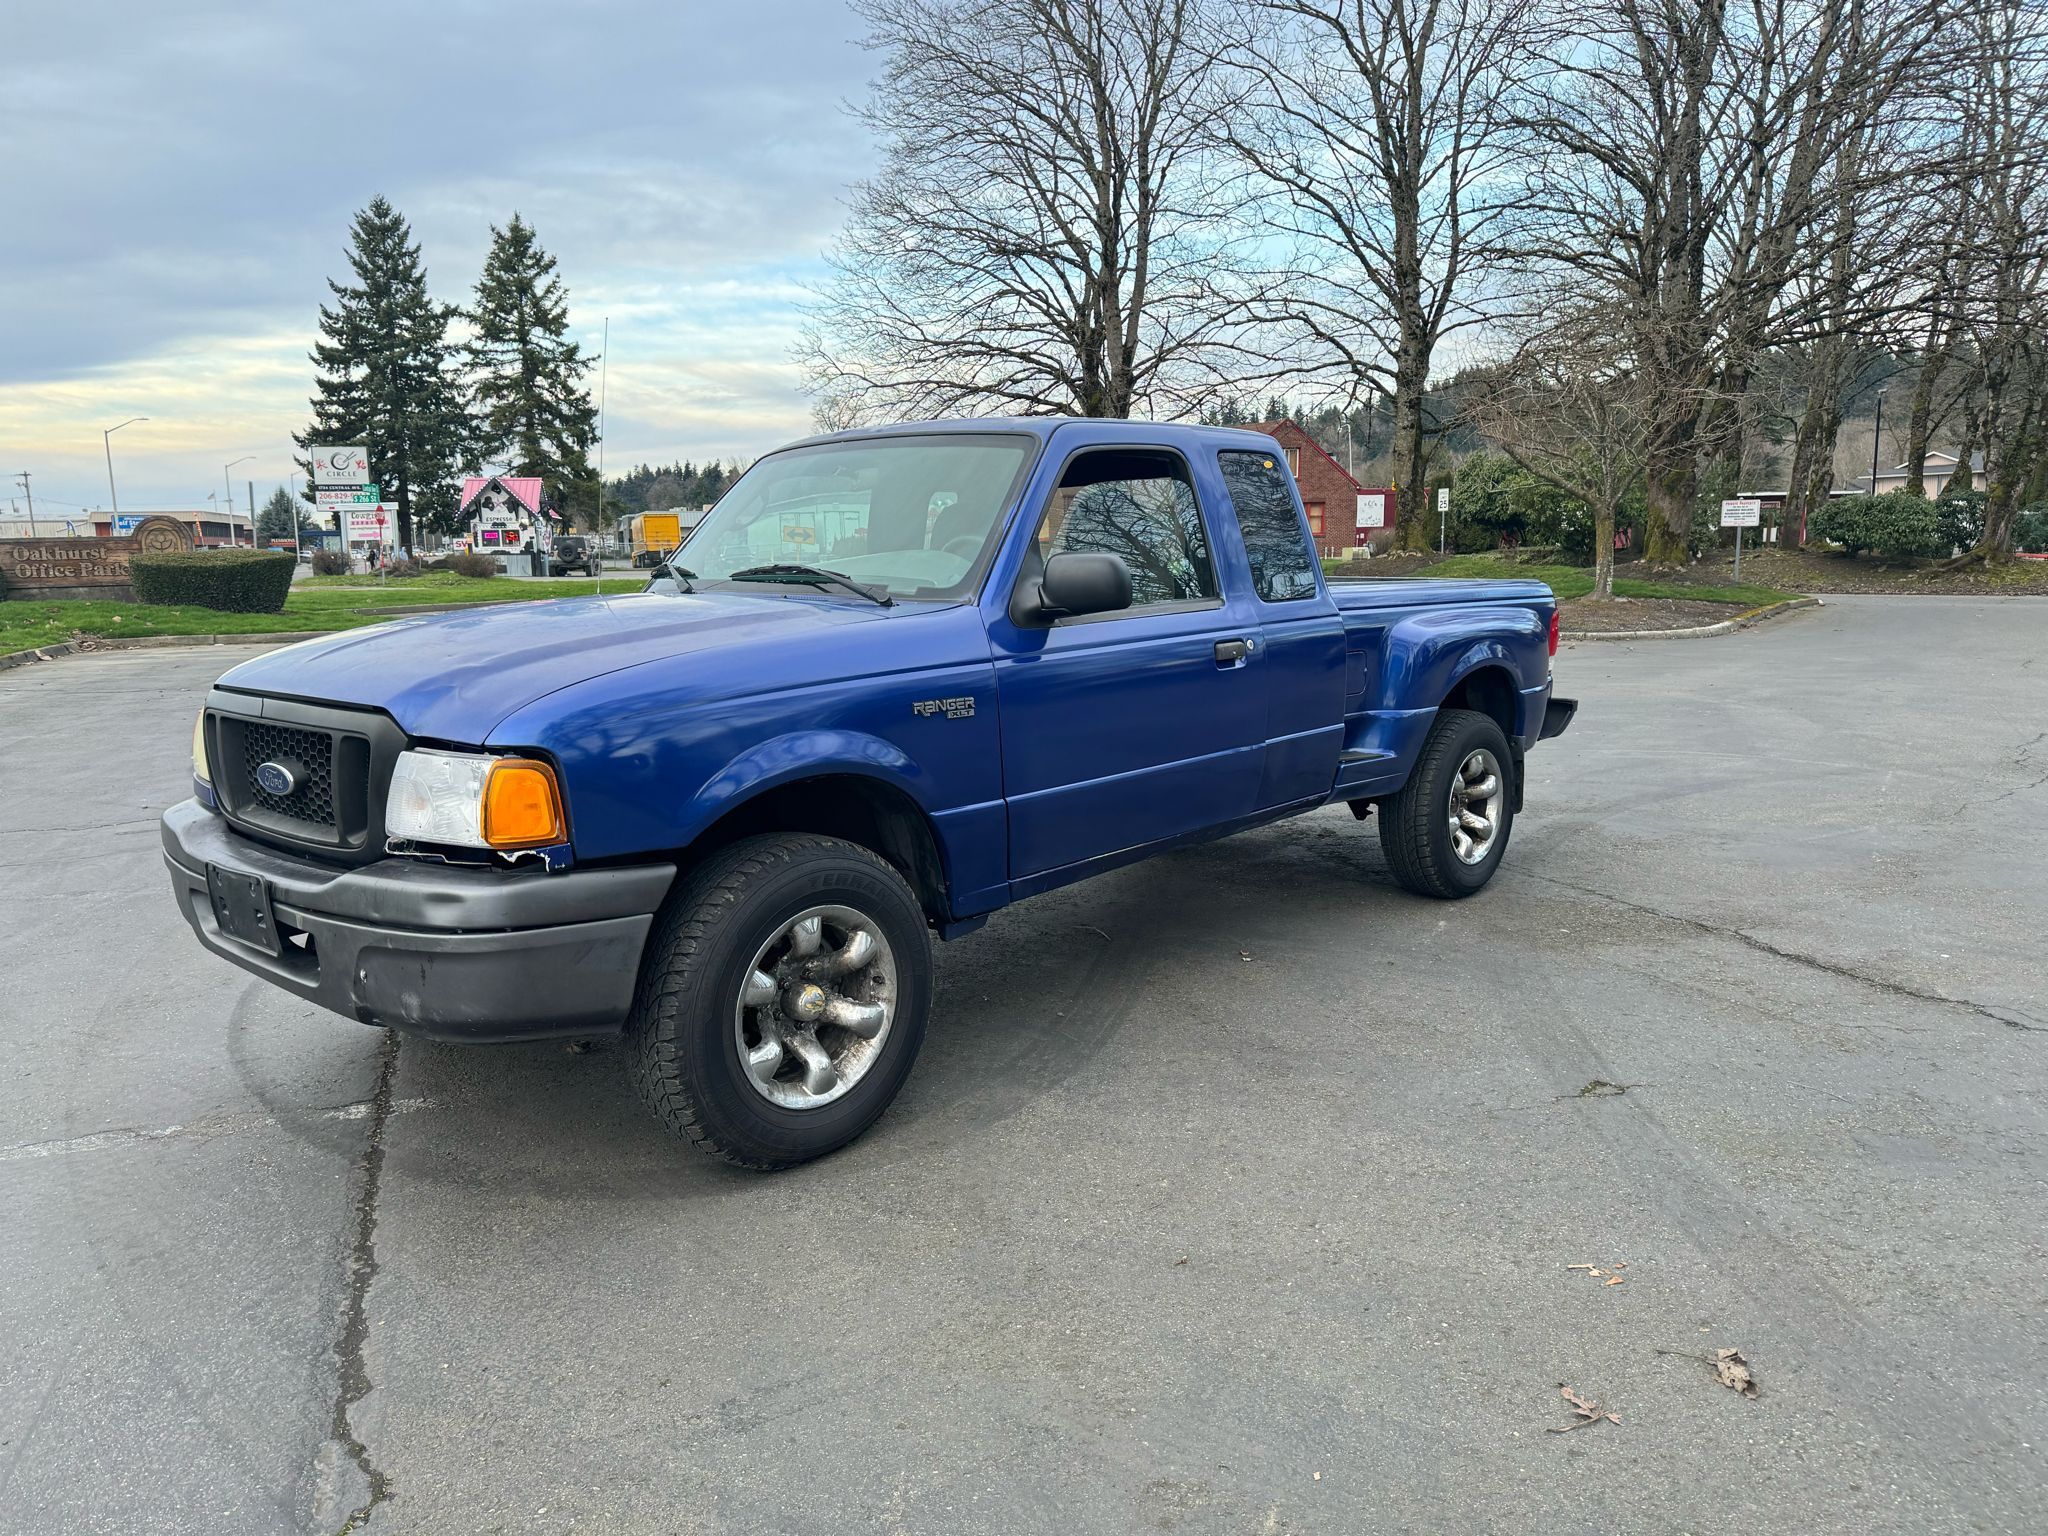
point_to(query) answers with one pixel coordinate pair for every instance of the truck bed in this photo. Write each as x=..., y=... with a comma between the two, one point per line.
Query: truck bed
x=1398, y=637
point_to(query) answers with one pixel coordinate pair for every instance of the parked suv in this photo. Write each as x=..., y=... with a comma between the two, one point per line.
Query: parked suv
x=573, y=552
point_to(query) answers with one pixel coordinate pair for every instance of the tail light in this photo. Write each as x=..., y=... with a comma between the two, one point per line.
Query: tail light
x=1553, y=631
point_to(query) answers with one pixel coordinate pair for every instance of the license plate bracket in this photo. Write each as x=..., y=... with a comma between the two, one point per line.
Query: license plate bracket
x=241, y=905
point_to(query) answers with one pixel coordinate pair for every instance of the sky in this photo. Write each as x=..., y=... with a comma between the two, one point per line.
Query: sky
x=176, y=185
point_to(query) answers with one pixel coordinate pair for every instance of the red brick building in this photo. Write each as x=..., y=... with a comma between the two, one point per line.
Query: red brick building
x=1329, y=493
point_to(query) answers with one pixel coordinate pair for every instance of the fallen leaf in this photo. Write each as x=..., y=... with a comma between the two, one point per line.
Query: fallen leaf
x=1591, y=1269
x=1180, y=1261
x=1734, y=1372
x=1613, y=1280
x=1728, y=1366
x=1585, y=1410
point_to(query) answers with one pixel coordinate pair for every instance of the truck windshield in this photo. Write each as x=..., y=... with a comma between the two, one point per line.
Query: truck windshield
x=915, y=517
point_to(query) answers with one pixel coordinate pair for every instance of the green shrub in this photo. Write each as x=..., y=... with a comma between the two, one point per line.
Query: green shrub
x=1898, y=525
x=329, y=562
x=469, y=563
x=2030, y=532
x=1960, y=516
x=225, y=580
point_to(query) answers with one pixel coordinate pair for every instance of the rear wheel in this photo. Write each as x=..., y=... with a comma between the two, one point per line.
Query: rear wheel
x=1445, y=832
x=782, y=999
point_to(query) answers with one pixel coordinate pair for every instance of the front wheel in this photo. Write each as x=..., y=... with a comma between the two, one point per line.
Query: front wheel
x=1446, y=830
x=782, y=999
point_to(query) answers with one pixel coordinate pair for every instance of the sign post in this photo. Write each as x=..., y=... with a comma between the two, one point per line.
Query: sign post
x=1740, y=513
x=1443, y=520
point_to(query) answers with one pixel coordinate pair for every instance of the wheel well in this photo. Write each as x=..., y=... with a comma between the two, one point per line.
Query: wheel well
x=877, y=816
x=1490, y=691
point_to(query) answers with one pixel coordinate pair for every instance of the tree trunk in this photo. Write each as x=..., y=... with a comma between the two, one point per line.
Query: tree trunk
x=1603, y=552
x=1673, y=468
x=1960, y=478
x=1410, y=475
x=1920, y=421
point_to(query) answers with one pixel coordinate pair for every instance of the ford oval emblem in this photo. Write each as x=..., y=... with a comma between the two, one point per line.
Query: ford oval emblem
x=276, y=779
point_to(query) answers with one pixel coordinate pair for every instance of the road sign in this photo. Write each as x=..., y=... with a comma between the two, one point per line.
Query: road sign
x=341, y=467
x=343, y=496
x=1740, y=513
x=368, y=525
x=1443, y=499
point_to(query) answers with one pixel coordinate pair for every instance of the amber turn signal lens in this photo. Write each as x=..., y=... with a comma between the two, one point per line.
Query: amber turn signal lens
x=522, y=806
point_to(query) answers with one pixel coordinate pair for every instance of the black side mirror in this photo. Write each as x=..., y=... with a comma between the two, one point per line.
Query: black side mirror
x=1076, y=584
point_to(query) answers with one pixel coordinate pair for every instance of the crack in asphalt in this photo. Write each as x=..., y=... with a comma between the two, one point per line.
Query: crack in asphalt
x=1813, y=962
x=215, y=1125
x=352, y=1375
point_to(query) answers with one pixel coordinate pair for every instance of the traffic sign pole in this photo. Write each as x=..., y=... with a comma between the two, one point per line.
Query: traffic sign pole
x=1740, y=512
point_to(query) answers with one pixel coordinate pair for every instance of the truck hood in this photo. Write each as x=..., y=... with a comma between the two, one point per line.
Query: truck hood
x=452, y=677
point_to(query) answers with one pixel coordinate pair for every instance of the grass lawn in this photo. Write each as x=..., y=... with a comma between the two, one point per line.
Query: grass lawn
x=1570, y=581
x=320, y=602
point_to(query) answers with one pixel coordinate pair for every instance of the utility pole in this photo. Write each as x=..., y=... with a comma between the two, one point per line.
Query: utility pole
x=31, y=495
x=1876, y=427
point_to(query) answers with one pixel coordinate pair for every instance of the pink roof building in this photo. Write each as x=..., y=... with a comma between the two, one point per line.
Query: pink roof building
x=524, y=489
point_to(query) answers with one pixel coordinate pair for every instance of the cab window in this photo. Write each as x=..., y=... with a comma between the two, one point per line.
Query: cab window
x=1137, y=504
x=1264, y=504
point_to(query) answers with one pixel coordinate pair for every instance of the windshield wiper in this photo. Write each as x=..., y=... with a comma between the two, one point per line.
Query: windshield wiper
x=815, y=576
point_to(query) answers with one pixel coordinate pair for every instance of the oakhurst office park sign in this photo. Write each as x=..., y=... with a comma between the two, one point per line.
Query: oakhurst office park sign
x=88, y=568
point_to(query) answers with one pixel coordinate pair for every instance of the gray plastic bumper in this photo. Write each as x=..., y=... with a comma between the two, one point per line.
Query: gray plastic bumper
x=431, y=949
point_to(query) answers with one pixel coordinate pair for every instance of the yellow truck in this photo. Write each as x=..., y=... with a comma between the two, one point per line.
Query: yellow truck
x=654, y=536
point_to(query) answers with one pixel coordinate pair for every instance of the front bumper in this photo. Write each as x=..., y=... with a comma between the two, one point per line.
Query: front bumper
x=435, y=950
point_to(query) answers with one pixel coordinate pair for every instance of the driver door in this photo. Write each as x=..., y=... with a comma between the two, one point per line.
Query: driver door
x=1128, y=728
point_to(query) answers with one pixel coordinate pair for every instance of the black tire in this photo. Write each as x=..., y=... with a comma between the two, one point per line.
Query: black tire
x=683, y=1049
x=1415, y=824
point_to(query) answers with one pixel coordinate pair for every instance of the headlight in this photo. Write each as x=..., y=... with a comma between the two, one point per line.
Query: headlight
x=472, y=801
x=199, y=771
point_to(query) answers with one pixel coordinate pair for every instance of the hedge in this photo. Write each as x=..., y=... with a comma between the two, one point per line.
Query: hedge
x=1897, y=525
x=225, y=580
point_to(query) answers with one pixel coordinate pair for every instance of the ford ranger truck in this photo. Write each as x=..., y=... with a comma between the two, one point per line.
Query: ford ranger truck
x=895, y=681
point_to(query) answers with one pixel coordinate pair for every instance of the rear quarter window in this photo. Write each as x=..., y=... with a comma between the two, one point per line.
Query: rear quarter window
x=1260, y=495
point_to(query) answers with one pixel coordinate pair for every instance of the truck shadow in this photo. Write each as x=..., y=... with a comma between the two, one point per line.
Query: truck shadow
x=1022, y=1007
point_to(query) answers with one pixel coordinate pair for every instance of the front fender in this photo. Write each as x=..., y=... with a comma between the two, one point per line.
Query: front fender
x=809, y=754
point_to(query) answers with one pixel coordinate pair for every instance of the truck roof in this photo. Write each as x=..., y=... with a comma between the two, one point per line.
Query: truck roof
x=1102, y=429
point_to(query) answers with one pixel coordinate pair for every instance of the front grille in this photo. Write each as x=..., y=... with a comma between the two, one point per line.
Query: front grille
x=340, y=760
x=310, y=757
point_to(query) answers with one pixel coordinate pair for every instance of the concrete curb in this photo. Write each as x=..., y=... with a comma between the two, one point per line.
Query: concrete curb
x=1698, y=631
x=155, y=642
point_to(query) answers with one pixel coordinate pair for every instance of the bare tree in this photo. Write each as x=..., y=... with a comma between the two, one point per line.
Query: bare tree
x=1571, y=408
x=1374, y=125
x=1045, y=233
x=2006, y=307
x=1686, y=156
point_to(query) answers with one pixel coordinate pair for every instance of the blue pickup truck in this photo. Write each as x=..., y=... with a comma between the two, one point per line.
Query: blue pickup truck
x=896, y=680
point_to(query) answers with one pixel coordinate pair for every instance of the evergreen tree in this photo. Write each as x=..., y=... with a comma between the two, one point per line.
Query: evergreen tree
x=280, y=517
x=527, y=376
x=388, y=378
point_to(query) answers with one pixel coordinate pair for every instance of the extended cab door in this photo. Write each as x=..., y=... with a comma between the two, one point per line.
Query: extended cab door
x=1303, y=631
x=1122, y=729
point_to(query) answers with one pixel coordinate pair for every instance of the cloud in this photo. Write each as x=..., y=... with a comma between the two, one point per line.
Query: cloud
x=182, y=197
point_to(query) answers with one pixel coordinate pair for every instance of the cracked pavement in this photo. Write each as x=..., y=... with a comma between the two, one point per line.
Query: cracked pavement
x=1233, y=1192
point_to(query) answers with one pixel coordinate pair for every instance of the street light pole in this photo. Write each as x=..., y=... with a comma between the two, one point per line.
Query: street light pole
x=107, y=442
x=1876, y=428
x=228, y=502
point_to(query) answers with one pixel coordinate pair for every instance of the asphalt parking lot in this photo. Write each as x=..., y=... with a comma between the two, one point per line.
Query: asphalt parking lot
x=1234, y=1192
